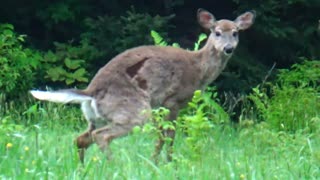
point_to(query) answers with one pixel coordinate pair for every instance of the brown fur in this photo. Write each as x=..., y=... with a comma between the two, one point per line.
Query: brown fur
x=226, y=25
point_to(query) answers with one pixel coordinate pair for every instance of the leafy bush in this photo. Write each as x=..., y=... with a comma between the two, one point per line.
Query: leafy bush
x=305, y=74
x=112, y=35
x=159, y=123
x=196, y=121
x=67, y=64
x=201, y=115
x=284, y=29
x=17, y=63
x=294, y=102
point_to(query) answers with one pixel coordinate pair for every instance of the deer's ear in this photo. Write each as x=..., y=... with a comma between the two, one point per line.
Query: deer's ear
x=206, y=19
x=245, y=20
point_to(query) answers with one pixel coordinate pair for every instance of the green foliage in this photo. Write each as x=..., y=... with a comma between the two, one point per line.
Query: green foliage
x=44, y=149
x=57, y=12
x=201, y=115
x=158, y=40
x=201, y=38
x=242, y=72
x=197, y=120
x=292, y=109
x=294, y=102
x=281, y=34
x=58, y=21
x=160, y=123
x=66, y=64
x=305, y=74
x=8, y=128
x=207, y=103
x=285, y=30
x=112, y=35
x=17, y=63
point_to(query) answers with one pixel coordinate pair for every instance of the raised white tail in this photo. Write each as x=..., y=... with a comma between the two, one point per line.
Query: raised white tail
x=60, y=96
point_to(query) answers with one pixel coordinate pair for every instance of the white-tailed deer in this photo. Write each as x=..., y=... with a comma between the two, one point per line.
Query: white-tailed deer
x=123, y=92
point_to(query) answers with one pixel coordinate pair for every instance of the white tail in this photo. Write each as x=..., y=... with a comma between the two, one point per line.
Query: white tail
x=60, y=96
x=124, y=91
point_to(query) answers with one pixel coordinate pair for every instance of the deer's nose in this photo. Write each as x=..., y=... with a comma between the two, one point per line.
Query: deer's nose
x=228, y=49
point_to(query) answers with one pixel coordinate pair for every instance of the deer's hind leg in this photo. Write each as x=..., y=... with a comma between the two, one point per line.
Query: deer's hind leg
x=85, y=139
x=123, y=120
x=103, y=136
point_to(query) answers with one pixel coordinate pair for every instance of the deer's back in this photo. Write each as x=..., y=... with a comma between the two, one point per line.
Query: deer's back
x=156, y=73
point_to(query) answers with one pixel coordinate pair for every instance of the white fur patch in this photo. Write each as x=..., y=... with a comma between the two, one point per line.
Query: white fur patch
x=60, y=97
x=90, y=111
x=95, y=108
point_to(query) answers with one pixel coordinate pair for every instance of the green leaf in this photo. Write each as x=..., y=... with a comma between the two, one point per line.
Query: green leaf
x=21, y=38
x=69, y=81
x=31, y=110
x=158, y=40
x=50, y=57
x=136, y=129
x=202, y=37
x=8, y=32
x=80, y=72
x=82, y=79
x=175, y=45
x=55, y=73
x=7, y=26
x=72, y=64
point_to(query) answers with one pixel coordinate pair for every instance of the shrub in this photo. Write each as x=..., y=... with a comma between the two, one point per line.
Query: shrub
x=17, y=64
x=66, y=65
x=280, y=32
x=201, y=115
x=305, y=74
x=294, y=102
x=112, y=35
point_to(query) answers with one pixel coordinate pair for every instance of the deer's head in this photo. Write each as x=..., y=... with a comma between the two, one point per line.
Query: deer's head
x=224, y=33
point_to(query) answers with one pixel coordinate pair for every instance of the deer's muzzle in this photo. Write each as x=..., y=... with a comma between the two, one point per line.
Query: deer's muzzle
x=228, y=49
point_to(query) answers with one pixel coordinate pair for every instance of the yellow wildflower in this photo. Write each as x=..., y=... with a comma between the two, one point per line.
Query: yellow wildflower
x=26, y=148
x=9, y=145
x=95, y=159
x=242, y=176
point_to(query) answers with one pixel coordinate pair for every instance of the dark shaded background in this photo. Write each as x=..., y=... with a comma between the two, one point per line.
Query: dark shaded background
x=284, y=32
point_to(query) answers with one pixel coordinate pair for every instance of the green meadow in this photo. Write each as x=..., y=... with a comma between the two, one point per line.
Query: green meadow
x=37, y=143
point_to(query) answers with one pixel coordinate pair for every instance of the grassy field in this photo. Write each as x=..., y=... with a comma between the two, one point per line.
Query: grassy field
x=41, y=147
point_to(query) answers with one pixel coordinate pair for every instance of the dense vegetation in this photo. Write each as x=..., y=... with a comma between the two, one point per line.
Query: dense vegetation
x=270, y=88
x=67, y=41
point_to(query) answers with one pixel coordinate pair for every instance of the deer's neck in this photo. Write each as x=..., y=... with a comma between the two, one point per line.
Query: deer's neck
x=212, y=61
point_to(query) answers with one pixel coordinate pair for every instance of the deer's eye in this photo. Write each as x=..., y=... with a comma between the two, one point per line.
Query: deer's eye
x=235, y=34
x=218, y=34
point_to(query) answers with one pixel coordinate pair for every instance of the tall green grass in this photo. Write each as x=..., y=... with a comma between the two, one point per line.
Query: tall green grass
x=37, y=143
